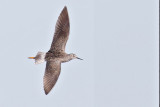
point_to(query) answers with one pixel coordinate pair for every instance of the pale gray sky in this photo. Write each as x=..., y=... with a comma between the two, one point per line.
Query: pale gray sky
x=118, y=40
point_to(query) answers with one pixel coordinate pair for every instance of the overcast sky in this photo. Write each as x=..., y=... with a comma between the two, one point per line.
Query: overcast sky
x=118, y=40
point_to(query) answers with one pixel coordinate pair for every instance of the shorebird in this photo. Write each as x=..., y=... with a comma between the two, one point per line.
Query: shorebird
x=56, y=55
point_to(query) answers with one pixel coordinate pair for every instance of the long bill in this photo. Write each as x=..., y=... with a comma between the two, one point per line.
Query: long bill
x=79, y=58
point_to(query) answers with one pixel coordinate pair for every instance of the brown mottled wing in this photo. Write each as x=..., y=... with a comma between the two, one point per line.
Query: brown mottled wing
x=61, y=32
x=51, y=75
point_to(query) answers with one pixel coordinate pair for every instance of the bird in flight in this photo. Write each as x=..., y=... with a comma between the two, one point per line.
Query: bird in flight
x=56, y=54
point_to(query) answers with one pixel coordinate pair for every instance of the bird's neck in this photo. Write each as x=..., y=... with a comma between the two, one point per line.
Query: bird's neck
x=67, y=58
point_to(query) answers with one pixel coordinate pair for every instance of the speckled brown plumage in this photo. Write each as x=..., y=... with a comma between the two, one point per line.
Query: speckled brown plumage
x=61, y=32
x=52, y=72
x=57, y=51
x=56, y=55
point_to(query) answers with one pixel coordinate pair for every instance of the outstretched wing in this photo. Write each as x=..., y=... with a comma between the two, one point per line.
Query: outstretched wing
x=61, y=32
x=51, y=75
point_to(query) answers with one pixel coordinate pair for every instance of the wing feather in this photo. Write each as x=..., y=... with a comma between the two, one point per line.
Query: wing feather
x=61, y=32
x=51, y=75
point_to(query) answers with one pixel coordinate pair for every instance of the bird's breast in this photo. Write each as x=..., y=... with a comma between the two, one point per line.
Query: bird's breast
x=53, y=55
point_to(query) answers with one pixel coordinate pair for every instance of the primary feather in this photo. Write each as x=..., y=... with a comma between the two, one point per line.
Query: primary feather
x=57, y=50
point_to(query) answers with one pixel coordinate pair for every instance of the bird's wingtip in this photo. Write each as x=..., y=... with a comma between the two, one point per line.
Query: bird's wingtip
x=46, y=92
x=65, y=7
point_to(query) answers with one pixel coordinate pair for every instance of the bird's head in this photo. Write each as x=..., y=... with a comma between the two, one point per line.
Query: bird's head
x=39, y=58
x=74, y=56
